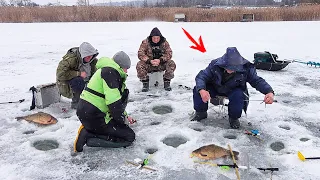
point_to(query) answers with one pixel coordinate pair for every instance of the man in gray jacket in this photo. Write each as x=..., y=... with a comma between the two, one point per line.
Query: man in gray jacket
x=75, y=70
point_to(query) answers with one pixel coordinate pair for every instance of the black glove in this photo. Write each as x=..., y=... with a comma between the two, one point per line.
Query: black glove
x=119, y=121
x=117, y=108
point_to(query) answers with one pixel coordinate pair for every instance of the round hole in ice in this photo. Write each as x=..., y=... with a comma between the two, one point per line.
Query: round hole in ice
x=230, y=136
x=174, y=140
x=197, y=129
x=286, y=101
x=29, y=132
x=46, y=145
x=301, y=79
x=284, y=127
x=304, y=139
x=308, y=84
x=163, y=109
x=277, y=146
x=151, y=150
x=155, y=123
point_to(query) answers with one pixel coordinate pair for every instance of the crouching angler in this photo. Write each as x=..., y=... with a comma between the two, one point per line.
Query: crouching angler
x=155, y=55
x=228, y=76
x=102, y=105
x=74, y=71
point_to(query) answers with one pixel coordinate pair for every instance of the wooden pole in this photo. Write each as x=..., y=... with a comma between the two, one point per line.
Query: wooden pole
x=234, y=161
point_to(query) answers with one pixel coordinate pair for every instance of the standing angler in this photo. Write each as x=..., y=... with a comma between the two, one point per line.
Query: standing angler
x=155, y=55
x=74, y=71
x=228, y=76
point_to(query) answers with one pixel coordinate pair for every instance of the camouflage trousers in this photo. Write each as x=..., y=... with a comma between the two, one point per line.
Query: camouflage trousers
x=144, y=68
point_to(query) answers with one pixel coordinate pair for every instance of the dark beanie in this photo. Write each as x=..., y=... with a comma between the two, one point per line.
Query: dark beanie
x=155, y=32
x=122, y=59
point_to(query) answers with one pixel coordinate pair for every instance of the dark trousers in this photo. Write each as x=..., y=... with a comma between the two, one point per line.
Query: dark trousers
x=235, y=106
x=77, y=84
x=93, y=121
x=144, y=68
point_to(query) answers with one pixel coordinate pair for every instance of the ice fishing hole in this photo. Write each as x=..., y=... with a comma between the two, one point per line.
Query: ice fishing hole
x=162, y=109
x=277, y=146
x=286, y=101
x=284, y=127
x=151, y=150
x=197, y=129
x=155, y=123
x=174, y=140
x=46, y=145
x=230, y=136
x=29, y=132
x=304, y=139
x=301, y=79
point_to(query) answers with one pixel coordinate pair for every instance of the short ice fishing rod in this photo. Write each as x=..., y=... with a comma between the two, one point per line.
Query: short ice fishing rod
x=19, y=101
x=224, y=166
x=302, y=158
x=269, y=169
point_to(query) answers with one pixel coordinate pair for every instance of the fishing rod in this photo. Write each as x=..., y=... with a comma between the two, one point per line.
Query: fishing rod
x=255, y=99
x=302, y=158
x=224, y=166
x=269, y=169
x=145, y=162
x=19, y=101
x=142, y=163
x=149, y=95
x=254, y=133
x=260, y=100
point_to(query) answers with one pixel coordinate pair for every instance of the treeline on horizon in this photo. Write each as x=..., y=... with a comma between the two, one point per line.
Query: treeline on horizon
x=125, y=14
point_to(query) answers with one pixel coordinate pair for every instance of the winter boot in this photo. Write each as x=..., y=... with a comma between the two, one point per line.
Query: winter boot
x=145, y=87
x=75, y=100
x=81, y=139
x=166, y=83
x=234, y=123
x=199, y=116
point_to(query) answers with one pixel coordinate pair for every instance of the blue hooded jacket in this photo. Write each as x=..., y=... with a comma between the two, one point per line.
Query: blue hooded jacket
x=244, y=72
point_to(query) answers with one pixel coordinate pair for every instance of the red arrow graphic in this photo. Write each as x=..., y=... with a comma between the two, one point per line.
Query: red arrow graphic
x=200, y=47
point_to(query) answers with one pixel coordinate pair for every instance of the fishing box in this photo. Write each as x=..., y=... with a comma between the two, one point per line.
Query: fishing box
x=46, y=94
x=265, y=57
x=219, y=100
x=156, y=78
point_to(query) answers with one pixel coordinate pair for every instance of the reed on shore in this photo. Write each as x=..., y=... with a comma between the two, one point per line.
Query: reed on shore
x=125, y=14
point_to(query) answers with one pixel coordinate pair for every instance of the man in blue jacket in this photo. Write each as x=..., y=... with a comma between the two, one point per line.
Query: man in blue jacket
x=228, y=76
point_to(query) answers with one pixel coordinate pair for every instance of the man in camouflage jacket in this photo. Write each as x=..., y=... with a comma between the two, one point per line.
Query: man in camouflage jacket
x=74, y=71
x=155, y=55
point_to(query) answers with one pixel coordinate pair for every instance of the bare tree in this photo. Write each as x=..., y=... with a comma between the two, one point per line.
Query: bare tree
x=3, y=3
x=145, y=3
x=12, y=2
x=82, y=3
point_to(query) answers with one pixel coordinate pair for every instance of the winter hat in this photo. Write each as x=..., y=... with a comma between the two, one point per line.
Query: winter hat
x=122, y=59
x=155, y=32
x=86, y=49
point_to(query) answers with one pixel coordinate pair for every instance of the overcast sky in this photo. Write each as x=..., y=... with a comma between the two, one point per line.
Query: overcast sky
x=71, y=2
